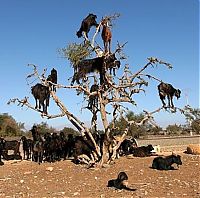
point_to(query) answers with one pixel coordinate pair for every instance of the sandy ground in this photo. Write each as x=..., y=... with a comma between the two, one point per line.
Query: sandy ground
x=65, y=179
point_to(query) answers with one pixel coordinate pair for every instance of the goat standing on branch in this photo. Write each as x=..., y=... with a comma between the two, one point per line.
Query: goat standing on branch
x=41, y=94
x=106, y=35
x=99, y=64
x=86, y=24
x=168, y=90
x=93, y=99
x=53, y=78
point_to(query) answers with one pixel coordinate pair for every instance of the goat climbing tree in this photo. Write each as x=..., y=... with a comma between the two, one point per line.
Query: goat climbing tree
x=110, y=96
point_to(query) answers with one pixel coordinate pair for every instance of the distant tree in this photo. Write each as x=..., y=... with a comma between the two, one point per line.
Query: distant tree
x=174, y=129
x=193, y=118
x=134, y=130
x=195, y=126
x=155, y=130
x=43, y=128
x=9, y=126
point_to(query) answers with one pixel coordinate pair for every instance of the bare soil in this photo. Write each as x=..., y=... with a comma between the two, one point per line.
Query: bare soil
x=64, y=179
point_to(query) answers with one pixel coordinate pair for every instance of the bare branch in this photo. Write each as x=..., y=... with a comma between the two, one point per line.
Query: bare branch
x=151, y=62
x=24, y=102
x=148, y=117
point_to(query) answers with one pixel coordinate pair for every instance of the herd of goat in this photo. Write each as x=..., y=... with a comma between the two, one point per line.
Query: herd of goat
x=56, y=147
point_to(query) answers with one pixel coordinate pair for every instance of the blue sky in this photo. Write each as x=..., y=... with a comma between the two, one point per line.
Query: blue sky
x=33, y=31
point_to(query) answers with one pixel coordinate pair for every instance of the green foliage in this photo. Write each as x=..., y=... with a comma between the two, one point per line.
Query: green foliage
x=191, y=114
x=9, y=127
x=195, y=126
x=76, y=52
x=135, y=131
x=193, y=118
x=174, y=129
x=44, y=128
x=155, y=130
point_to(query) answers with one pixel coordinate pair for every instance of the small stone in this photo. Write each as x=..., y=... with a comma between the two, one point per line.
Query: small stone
x=27, y=172
x=21, y=181
x=49, y=168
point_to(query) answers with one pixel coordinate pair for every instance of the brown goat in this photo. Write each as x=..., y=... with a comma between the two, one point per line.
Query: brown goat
x=106, y=35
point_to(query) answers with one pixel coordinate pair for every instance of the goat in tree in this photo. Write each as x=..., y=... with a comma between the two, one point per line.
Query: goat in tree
x=99, y=64
x=168, y=90
x=106, y=35
x=41, y=94
x=93, y=99
x=86, y=24
x=53, y=78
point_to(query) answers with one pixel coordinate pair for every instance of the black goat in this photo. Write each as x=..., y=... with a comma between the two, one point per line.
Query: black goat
x=86, y=24
x=165, y=163
x=93, y=99
x=168, y=90
x=70, y=145
x=82, y=146
x=142, y=151
x=121, y=182
x=35, y=133
x=53, y=147
x=99, y=64
x=27, y=145
x=66, y=144
x=12, y=145
x=53, y=78
x=126, y=146
x=38, y=145
x=41, y=94
x=38, y=151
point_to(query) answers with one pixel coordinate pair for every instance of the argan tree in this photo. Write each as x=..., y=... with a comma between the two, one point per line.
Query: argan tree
x=108, y=100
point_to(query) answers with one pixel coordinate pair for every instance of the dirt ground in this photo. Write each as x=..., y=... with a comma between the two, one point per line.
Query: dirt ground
x=65, y=179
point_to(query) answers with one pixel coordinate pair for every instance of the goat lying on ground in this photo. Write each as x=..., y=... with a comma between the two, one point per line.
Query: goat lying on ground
x=126, y=146
x=11, y=145
x=165, y=163
x=168, y=90
x=142, y=151
x=86, y=24
x=12, y=157
x=120, y=183
x=41, y=94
